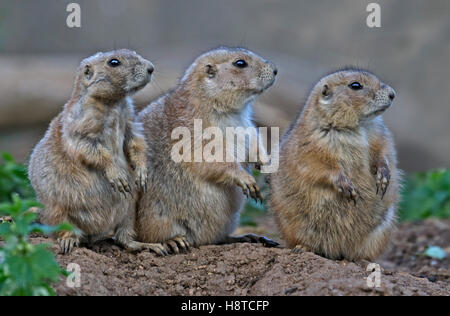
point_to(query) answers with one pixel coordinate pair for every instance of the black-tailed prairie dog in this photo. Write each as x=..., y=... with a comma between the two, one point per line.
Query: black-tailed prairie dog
x=197, y=202
x=337, y=186
x=91, y=163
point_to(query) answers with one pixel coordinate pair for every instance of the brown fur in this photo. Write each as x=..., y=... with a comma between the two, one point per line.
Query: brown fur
x=85, y=167
x=335, y=164
x=200, y=200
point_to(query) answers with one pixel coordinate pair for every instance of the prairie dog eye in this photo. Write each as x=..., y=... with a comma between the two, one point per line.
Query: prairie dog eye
x=114, y=62
x=240, y=63
x=355, y=86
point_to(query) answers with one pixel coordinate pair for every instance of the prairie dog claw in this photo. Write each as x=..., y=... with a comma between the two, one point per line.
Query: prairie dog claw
x=382, y=177
x=347, y=189
x=250, y=188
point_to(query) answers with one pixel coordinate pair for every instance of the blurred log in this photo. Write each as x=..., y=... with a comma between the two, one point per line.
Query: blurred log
x=34, y=89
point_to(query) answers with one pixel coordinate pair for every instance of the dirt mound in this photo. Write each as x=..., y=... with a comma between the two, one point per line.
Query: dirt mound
x=248, y=269
x=409, y=244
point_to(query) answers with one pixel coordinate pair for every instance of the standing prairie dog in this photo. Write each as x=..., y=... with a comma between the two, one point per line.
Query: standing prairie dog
x=85, y=167
x=198, y=203
x=336, y=190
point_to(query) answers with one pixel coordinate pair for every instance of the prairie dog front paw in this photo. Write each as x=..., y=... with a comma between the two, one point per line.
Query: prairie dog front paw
x=119, y=181
x=141, y=178
x=249, y=187
x=382, y=177
x=346, y=188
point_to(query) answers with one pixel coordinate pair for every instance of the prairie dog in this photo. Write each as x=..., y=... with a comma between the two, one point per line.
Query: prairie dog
x=337, y=186
x=198, y=203
x=85, y=167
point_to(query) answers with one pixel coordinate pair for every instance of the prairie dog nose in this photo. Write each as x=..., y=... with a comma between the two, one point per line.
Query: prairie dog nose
x=390, y=92
x=272, y=68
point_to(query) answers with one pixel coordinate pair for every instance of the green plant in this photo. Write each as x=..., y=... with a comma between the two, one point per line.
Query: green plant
x=13, y=179
x=25, y=269
x=425, y=195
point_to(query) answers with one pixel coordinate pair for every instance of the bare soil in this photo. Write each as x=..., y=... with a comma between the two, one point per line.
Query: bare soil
x=250, y=269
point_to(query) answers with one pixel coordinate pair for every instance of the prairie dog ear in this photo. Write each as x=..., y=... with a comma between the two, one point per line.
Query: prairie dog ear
x=88, y=72
x=326, y=91
x=211, y=70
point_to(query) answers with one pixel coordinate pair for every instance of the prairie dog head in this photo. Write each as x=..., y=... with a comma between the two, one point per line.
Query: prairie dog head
x=230, y=77
x=347, y=98
x=113, y=75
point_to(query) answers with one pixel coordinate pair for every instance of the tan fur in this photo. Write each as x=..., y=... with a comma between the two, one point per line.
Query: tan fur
x=332, y=163
x=85, y=167
x=200, y=200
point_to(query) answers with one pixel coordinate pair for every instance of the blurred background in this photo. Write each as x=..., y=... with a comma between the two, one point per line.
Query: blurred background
x=306, y=39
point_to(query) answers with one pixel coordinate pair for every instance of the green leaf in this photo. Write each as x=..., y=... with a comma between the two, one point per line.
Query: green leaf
x=425, y=195
x=5, y=229
x=7, y=157
x=19, y=270
x=43, y=264
x=435, y=252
